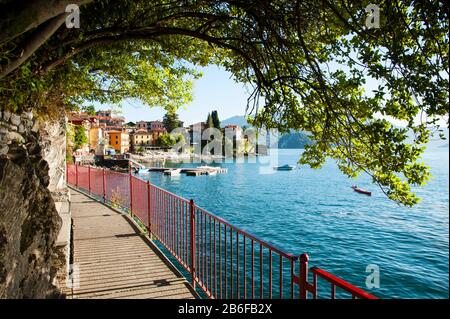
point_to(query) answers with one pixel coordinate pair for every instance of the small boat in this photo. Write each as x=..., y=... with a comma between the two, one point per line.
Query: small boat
x=173, y=172
x=211, y=172
x=361, y=191
x=284, y=168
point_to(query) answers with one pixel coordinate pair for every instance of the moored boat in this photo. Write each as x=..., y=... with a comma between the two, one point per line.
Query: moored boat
x=284, y=168
x=361, y=191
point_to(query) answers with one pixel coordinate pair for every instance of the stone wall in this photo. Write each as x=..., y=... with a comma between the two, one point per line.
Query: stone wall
x=30, y=152
x=53, y=143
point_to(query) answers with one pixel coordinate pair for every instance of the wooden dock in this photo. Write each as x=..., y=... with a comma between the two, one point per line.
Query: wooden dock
x=192, y=171
x=113, y=259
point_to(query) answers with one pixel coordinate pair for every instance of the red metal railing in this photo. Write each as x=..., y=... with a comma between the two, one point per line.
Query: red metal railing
x=223, y=260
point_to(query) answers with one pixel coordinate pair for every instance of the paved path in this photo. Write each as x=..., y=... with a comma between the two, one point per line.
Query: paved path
x=114, y=260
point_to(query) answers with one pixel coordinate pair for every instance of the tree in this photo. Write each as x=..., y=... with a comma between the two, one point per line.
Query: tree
x=80, y=138
x=209, y=121
x=307, y=62
x=89, y=109
x=165, y=140
x=171, y=121
x=215, y=119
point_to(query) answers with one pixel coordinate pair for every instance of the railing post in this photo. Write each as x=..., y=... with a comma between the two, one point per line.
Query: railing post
x=104, y=185
x=303, y=275
x=131, y=193
x=149, y=207
x=76, y=175
x=192, y=241
x=89, y=179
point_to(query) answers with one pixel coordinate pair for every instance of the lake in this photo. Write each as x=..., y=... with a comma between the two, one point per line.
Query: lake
x=316, y=211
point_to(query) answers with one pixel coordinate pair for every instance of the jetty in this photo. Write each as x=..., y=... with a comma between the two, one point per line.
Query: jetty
x=192, y=171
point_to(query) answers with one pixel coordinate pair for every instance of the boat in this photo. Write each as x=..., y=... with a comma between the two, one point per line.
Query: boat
x=284, y=168
x=173, y=172
x=211, y=172
x=361, y=191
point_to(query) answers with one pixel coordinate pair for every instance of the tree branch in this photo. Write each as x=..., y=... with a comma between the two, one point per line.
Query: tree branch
x=17, y=19
x=37, y=39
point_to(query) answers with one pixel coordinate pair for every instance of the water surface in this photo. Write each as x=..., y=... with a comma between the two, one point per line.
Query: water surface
x=316, y=211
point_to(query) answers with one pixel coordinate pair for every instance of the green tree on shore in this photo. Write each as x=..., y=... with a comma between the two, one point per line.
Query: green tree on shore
x=215, y=119
x=171, y=121
x=209, y=121
x=89, y=109
x=80, y=138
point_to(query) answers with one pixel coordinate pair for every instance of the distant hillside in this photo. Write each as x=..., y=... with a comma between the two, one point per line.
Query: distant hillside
x=300, y=139
x=294, y=140
x=235, y=120
x=290, y=140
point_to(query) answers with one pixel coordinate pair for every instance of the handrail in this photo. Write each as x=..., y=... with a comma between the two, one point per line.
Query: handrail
x=336, y=281
x=222, y=259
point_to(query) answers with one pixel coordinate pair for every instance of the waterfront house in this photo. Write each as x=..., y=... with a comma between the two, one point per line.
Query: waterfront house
x=111, y=123
x=141, y=137
x=119, y=141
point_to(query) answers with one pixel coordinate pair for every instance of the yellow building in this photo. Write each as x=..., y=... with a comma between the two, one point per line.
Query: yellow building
x=141, y=137
x=119, y=140
x=95, y=136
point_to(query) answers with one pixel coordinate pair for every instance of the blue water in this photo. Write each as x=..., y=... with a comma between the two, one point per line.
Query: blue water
x=316, y=211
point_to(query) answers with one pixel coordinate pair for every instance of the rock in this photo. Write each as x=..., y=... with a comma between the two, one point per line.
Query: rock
x=29, y=220
x=29, y=224
x=6, y=115
x=14, y=119
x=27, y=115
x=15, y=137
x=4, y=149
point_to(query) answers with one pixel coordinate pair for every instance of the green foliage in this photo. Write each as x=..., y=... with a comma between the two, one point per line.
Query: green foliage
x=80, y=138
x=171, y=121
x=209, y=121
x=165, y=140
x=307, y=61
x=215, y=119
x=89, y=109
x=169, y=140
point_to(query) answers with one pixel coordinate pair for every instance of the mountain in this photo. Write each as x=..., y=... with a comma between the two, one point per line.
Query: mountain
x=235, y=120
x=288, y=140
x=294, y=140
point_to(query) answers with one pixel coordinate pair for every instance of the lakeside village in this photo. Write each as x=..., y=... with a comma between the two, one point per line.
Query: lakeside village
x=103, y=139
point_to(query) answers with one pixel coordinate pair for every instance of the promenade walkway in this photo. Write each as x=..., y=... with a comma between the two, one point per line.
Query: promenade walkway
x=113, y=260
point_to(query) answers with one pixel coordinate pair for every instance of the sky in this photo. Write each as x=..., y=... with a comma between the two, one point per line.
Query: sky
x=215, y=90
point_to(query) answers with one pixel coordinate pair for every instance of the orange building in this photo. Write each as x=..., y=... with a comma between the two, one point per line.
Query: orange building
x=119, y=140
